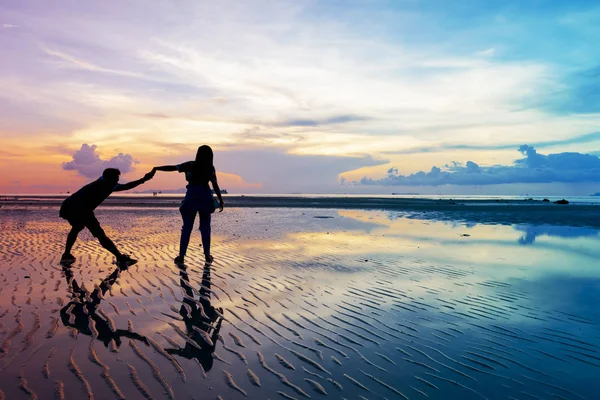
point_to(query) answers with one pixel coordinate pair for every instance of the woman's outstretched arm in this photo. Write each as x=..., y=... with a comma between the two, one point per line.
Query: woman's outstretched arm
x=166, y=168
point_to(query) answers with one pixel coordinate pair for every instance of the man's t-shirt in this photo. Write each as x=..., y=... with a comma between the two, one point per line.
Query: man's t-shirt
x=188, y=169
x=86, y=199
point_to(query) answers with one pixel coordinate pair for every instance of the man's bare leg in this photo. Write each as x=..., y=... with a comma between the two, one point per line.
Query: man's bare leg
x=67, y=257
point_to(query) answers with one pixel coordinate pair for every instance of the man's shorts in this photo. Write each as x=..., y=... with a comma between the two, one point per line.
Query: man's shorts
x=87, y=220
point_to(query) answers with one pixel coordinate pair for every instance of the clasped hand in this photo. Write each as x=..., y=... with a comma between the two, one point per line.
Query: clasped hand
x=150, y=174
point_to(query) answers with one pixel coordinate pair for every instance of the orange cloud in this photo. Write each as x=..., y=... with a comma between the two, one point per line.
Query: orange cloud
x=234, y=182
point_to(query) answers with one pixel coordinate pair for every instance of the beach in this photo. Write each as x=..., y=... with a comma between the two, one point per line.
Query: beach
x=327, y=298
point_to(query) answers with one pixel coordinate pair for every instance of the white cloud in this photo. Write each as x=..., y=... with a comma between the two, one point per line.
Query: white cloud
x=87, y=162
x=487, y=52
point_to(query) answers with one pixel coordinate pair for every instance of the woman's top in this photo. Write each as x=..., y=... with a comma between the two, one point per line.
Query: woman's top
x=192, y=178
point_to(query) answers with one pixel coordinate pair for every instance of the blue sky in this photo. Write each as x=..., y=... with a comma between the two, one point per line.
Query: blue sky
x=344, y=91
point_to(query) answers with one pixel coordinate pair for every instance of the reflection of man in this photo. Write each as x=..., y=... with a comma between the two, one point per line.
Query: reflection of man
x=78, y=312
x=199, y=315
x=79, y=208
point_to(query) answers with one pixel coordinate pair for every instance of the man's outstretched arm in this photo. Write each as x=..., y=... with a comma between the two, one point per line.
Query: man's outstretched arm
x=133, y=184
x=166, y=168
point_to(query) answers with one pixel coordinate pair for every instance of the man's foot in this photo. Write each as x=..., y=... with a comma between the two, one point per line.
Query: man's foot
x=208, y=258
x=67, y=259
x=178, y=260
x=125, y=260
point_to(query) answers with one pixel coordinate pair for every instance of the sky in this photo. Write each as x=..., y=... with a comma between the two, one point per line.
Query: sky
x=404, y=96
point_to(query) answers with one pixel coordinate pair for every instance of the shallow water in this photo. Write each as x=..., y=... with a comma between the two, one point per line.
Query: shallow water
x=343, y=302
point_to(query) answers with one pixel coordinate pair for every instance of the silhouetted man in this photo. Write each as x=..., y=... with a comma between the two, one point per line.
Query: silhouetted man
x=79, y=208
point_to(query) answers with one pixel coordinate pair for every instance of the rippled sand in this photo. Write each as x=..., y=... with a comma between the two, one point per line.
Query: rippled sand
x=299, y=303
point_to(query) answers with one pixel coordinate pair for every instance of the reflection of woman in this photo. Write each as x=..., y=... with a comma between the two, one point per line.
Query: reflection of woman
x=78, y=312
x=198, y=199
x=199, y=317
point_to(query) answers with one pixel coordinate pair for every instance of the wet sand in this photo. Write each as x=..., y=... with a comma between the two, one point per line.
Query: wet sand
x=299, y=303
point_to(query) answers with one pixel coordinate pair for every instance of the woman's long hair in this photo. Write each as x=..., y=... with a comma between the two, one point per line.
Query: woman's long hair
x=203, y=164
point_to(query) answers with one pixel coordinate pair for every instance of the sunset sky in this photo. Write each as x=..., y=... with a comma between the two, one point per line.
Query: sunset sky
x=471, y=96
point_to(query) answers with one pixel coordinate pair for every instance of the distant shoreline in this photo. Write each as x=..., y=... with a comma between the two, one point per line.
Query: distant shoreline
x=488, y=211
x=317, y=201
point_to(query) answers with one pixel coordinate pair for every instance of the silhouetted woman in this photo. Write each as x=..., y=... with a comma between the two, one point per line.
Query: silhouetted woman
x=198, y=199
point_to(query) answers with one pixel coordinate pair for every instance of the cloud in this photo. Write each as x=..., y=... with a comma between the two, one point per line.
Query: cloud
x=89, y=164
x=486, y=53
x=582, y=139
x=257, y=135
x=338, y=119
x=533, y=168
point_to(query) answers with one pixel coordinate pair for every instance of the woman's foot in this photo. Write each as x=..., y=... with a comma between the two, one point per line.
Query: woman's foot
x=178, y=260
x=208, y=258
